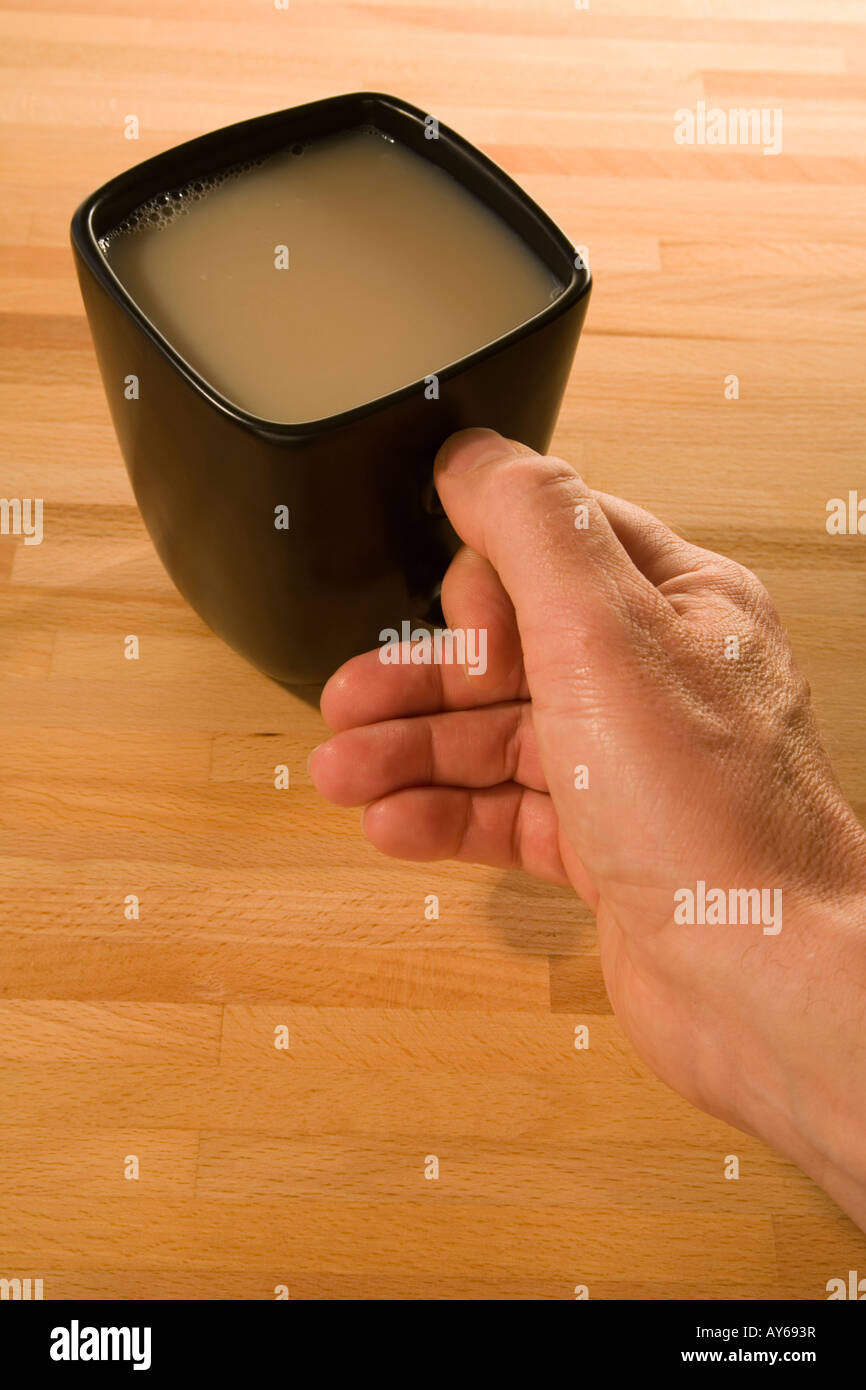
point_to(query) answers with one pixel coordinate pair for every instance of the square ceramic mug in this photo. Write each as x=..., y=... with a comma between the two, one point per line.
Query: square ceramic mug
x=366, y=545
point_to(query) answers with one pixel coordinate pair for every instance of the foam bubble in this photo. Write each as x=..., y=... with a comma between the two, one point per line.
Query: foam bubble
x=162, y=209
x=374, y=130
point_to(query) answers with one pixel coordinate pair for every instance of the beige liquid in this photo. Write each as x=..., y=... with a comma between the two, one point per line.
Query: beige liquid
x=395, y=271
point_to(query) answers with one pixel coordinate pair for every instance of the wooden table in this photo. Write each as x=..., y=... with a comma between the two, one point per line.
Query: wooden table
x=262, y=1168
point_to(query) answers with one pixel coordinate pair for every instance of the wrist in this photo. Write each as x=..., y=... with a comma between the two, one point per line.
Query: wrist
x=820, y=1118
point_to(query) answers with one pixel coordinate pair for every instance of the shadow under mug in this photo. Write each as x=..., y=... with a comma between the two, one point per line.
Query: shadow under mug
x=367, y=544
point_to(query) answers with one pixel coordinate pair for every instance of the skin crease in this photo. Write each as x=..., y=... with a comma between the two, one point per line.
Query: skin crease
x=606, y=648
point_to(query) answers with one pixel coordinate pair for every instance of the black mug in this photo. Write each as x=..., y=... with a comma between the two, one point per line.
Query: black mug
x=366, y=544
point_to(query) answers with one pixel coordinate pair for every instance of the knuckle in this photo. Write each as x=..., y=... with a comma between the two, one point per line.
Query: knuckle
x=527, y=473
x=744, y=589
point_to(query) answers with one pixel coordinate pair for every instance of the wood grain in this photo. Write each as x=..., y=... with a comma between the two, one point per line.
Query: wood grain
x=261, y=909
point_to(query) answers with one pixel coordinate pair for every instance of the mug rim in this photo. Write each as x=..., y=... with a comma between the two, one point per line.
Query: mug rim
x=85, y=242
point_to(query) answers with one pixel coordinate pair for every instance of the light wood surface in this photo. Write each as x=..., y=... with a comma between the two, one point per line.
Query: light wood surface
x=259, y=908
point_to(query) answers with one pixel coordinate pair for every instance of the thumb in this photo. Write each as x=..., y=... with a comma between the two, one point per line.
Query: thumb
x=597, y=636
x=572, y=583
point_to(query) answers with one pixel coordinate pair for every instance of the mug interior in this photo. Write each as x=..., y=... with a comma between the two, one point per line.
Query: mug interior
x=257, y=138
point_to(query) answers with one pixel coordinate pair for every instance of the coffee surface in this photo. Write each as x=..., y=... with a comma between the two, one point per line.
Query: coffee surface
x=327, y=275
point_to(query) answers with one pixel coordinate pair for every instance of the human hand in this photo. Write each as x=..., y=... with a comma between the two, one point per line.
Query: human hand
x=663, y=670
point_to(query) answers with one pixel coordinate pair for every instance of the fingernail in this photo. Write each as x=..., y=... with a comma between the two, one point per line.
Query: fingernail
x=468, y=448
x=312, y=753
